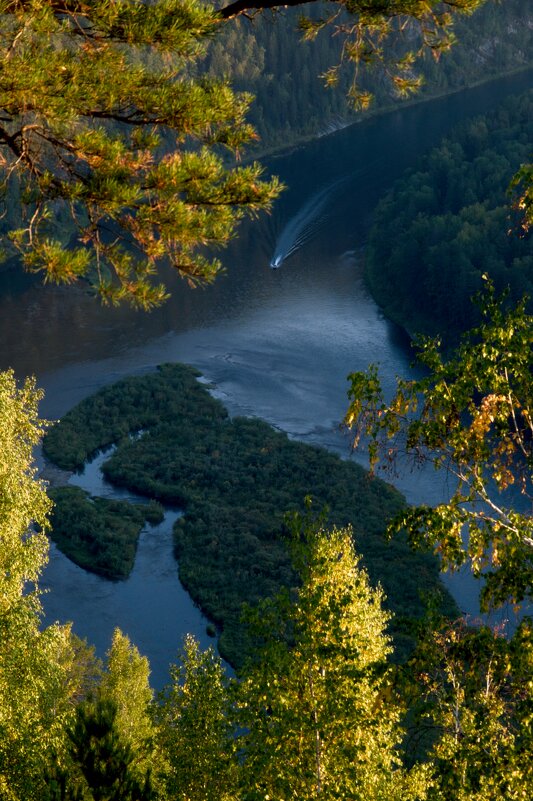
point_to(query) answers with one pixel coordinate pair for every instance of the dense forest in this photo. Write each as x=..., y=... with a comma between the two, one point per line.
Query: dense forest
x=267, y=57
x=236, y=480
x=97, y=533
x=318, y=710
x=449, y=221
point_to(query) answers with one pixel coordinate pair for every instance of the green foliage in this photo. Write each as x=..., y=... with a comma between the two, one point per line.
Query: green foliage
x=496, y=39
x=38, y=682
x=125, y=683
x=24, y=502
x=113, y=151
x=109, y=751
x=447, y=222
x=316, y=706
x=116, y=138
x=110, y=416
x=195, y=736
x=267, y=57
x=523, y=183
x=316, y=711
x=475, y=696
x=98, y=534
x=38, y=675
x=392, y=36
x=470, y=415
x=236, y=479
x=103, y=761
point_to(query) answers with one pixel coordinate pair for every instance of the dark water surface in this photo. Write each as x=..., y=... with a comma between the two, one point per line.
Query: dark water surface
x=278, y=344
x=151, y=605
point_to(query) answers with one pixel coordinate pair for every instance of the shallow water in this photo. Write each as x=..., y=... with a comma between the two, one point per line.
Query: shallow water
x=150, y=606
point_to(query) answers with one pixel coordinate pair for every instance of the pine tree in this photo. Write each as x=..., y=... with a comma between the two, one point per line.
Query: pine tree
x=102, y=758
x=112, y=150
x=118, y=155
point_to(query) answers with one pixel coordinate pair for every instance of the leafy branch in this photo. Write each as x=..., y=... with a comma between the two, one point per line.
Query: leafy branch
x=471, y=415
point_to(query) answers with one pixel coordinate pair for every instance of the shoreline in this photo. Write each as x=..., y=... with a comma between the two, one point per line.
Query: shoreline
x=279, y=151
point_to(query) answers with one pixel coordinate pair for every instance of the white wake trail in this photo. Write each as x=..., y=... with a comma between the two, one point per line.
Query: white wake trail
x=303, y=226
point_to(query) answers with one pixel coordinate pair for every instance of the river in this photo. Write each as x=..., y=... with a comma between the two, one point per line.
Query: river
x=277, y=343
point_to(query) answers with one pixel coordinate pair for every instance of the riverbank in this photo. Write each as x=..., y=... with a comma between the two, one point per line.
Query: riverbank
x=442, y=227
x=276, y=151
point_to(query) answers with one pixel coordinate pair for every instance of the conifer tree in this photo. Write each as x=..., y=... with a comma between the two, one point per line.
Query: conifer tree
x=112, y=150
x=118, y=157
x=392, y=35
x=102, y=758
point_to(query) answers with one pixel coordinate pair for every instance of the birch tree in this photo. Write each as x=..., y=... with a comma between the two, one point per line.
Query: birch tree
x=38, y=674
x=471, y=417
x=320, y=718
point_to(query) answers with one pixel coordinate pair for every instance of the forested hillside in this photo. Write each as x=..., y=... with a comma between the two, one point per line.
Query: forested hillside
x=266, y=56
x=319, y=709
x=138, y=128
x=448, y=222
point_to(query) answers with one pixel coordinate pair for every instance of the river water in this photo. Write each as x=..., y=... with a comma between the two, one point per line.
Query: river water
x=151, y=605
x=277, y=343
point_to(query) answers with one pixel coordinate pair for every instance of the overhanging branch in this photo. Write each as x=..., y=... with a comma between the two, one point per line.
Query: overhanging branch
x=241, y=6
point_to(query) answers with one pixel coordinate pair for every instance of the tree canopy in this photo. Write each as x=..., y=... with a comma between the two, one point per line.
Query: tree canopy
x=234, y=479
x=448, y=221
x=319, y=721
x=317, y=712
x=113, y=150
x=117, y=151
x=471, y=415
x=38, y=680
x=391, y=33
x=523, y=184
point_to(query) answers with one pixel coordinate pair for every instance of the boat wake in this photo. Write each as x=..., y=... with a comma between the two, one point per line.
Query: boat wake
x=303, y=226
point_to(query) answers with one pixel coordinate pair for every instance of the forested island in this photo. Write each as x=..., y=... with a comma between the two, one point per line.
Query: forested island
x=449, y=221
x=99, y=534
x=236, y=480
x=452, y=722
